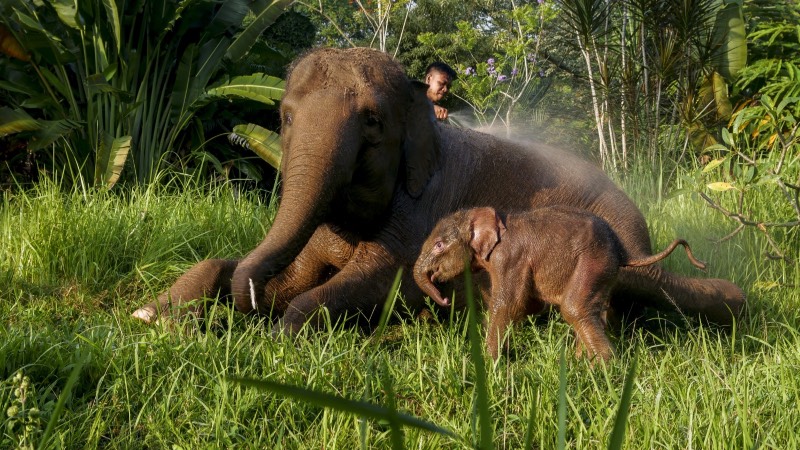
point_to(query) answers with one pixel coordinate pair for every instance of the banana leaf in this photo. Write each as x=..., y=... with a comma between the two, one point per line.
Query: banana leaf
x=112, y=18
x=110, y=160
x=265, y=143
x=9, y=45
x=730, y=34
x=245, y=40
x=14, y=121
x=258, y=87
x=51, y=131
x=230, y=15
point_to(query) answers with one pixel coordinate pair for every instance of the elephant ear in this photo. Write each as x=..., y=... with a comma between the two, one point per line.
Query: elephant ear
x=421, y=140
x=487, y=228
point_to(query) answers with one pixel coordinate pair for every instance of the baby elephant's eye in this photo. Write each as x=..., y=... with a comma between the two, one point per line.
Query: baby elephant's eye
x=439, y=246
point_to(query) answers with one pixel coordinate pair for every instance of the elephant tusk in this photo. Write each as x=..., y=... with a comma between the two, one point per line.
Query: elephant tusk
x=252, y=294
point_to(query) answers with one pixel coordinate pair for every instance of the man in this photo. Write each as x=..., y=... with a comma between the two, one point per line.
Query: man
x=438, y=77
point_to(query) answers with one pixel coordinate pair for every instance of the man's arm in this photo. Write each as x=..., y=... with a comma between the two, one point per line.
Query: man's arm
x=441, y=113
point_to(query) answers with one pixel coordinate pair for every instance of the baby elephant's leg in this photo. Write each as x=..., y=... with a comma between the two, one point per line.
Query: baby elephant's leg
x=505, y=307
x=585, y=302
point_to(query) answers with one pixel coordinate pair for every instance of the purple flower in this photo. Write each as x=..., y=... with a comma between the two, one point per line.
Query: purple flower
x=490, y=61
x=469, y=71
x=540, y=1
x=502, y=78
x=492, y=71
x=514, y=72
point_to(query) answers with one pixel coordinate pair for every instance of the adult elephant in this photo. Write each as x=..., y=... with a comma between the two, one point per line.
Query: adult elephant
x=367, y=172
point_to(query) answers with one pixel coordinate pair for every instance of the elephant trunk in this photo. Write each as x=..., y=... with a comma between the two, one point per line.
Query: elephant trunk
x=294, y=224
x=424, y=280
x=310, y=185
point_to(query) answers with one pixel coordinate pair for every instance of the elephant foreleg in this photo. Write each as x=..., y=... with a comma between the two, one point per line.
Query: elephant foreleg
x=325, y=253
x=357, y=291
x=510, y=301
x=210, y=278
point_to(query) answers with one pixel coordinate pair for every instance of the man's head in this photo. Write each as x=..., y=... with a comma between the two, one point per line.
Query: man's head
x=439, y=76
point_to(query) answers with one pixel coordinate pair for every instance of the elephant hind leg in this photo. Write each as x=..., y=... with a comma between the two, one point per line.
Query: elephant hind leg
x=713, y=299
x=210, y=278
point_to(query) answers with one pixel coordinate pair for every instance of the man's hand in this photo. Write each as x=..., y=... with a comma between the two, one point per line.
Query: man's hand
x=441, y=113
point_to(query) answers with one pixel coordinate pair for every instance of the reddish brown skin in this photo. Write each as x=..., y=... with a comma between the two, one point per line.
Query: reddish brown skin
x=366, y=173
x=553, y=256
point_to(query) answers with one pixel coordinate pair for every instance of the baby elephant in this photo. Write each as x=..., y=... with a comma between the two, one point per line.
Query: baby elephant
x=557, y=255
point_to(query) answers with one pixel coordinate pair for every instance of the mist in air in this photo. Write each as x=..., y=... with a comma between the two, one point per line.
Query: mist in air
x=538, y=128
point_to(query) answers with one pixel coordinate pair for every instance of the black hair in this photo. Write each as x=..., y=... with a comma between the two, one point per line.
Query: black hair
x=438, y=66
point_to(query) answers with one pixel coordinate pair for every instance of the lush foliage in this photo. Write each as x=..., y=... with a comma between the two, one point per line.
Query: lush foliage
x=102, y=84
x=760, y=153
x=145, y=387
x=109, y=85
x=658, y=72
x=466, y=35
x=502, y=62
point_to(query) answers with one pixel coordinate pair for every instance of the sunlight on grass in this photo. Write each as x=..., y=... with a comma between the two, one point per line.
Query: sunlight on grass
x=73, y=266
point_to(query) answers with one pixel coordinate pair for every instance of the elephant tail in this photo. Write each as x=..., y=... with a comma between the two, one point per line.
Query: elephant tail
x=666, y=252
x=712, y=299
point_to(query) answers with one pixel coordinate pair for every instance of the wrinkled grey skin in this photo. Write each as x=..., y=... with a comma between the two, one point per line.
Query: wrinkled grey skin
x=552, y=256
x=366, y=173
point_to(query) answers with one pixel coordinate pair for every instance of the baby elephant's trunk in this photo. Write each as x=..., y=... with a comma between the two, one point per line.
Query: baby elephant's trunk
x=423, y=279
x=659, y=256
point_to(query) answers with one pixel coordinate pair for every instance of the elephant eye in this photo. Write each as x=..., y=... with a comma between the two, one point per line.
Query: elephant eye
x=287, y=119
x=372, y=127
x=438, y=246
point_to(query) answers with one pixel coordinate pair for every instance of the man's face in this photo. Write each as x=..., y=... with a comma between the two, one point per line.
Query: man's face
x=438, y=83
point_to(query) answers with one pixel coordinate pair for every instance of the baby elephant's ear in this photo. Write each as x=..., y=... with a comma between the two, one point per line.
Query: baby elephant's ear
x=486, y=231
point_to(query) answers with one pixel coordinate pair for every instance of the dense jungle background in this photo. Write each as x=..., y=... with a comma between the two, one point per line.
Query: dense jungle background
x=137, y=138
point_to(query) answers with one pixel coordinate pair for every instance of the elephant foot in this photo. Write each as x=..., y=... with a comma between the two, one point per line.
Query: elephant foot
x=164, y=311
x=728, y=303
x=285, y=329
x=147, y=314
x=207, y=280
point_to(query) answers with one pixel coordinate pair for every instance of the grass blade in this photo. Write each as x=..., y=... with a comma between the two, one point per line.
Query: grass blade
x=621, y=421
x=360, y=408
x=476, y=351
x=528, y=442
x=388, y=306
x=80, y=361
x=394, y=424
x=561, y=440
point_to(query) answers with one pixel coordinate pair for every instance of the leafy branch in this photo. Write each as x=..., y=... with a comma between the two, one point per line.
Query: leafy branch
x=763, y=149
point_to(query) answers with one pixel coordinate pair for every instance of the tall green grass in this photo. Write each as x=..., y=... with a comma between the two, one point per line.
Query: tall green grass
x=74, y=265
